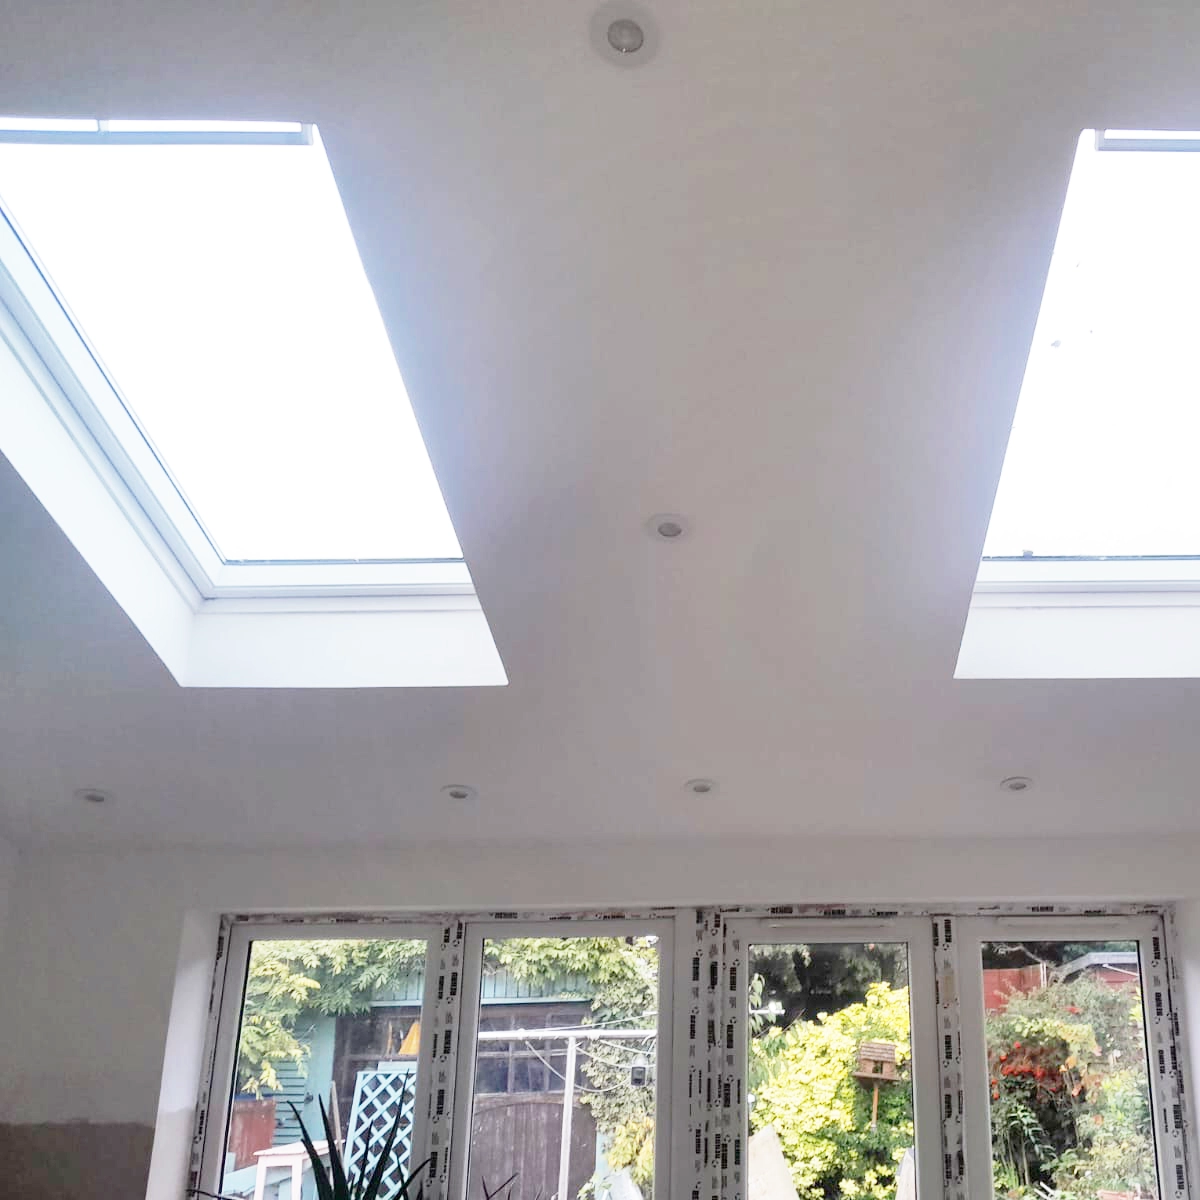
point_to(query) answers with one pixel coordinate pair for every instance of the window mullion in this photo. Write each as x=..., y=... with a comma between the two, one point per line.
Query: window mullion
x=1164, y=1040
x=445, y=1012
x=955, y=1111
x=711, y=1157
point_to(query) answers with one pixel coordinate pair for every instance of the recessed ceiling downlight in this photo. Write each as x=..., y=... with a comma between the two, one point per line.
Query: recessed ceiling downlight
x=700, y=787
x=667, y=527
x=459, y=792
x=93, y=796
x=626, y=36
x=624, y=33
x=1016, y=783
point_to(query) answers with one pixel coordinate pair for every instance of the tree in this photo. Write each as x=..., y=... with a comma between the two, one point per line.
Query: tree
x=1051, y=954
x=802, y=1082
x=1070, y=1096
x=287, y=979
x=803, y=980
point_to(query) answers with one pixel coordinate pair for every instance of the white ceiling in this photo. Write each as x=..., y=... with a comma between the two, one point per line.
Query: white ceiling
x=780, y=278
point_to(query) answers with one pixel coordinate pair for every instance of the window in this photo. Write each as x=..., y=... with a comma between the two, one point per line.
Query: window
x=1098, y=463
x=1055, y=1044
x=565, y=1094
x=214, y=276
x=1092, y=556
x=231, y=436
x=319, y=1021
x=722, y=1053
x=833, y=1065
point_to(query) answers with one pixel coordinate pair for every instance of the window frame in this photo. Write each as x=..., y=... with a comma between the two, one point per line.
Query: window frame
x=231, y=982
x=914, y=932
x=1030, y=580
x=972, y=933
x=666, y=1079
x=701, y=947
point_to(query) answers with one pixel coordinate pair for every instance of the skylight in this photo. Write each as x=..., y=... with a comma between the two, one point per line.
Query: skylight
x=1091, y=566
x=211, y=270
x=199, y=388
x=1102, y=458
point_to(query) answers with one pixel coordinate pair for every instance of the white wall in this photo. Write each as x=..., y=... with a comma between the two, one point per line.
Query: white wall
x=96, y=939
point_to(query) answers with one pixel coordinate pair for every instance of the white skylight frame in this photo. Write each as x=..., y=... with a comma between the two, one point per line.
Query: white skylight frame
x=1114, y=616
x=214, y=623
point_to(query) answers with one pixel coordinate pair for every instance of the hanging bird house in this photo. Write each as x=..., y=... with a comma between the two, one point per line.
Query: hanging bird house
x=877, y=1063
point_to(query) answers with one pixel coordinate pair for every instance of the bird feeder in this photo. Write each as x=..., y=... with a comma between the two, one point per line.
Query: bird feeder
x=877, y=1066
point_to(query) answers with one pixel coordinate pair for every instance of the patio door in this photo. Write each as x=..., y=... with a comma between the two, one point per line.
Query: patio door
x=296, y=1036
x=564, y=1060
x=1068, y=1058
x=817, y=997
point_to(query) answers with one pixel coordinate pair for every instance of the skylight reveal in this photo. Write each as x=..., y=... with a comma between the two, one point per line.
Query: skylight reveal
x=212, y=270
x=1102, y=457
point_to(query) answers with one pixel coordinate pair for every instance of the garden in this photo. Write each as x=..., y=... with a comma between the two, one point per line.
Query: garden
x=1070, y=1112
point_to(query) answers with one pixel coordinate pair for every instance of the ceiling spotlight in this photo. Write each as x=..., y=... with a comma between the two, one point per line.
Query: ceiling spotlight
x=459, y=791
x=1016, y=783
x=667, y=527
x=701, y=787
x=624, y=33
x=92, y=796
x=626, y=36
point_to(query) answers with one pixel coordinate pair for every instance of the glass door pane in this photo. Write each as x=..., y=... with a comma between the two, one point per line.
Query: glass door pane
x=829, y=1070
x=333, y=1023
x=1068, y=1081
x=563, y=1101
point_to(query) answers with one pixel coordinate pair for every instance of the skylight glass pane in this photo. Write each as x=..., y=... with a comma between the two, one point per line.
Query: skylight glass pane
x=1102, y=457
x=221, y=288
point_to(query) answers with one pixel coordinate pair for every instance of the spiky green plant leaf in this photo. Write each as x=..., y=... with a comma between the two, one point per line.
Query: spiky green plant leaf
x=332, y=1182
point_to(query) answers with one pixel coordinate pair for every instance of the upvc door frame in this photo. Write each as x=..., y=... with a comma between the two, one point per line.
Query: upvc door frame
x=481, y=930
x=232, y=985
x=916, y=934
x=1149, y=933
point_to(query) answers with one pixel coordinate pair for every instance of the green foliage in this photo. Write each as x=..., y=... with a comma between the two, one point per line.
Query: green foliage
x=1117, y=1153
x=1070, y=1098
x=633, y=1147
x=803, y=980
x=622, y=973
x=290, y=978
x=802, y=1081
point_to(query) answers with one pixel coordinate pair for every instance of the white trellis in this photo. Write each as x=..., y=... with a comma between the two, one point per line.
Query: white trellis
x=378, y=1095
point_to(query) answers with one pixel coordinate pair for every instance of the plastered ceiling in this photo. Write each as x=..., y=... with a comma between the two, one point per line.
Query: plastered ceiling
x=780, y=278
